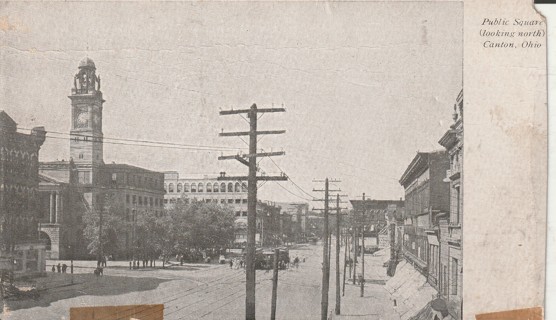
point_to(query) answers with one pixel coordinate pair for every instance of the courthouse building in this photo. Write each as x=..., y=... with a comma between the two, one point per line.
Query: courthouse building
x=70, y=189
x=20, y=247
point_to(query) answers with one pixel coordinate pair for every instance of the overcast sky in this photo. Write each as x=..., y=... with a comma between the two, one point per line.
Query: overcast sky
x=365, y=85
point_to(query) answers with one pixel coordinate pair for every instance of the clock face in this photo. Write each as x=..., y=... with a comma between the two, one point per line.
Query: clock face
x=82, y=119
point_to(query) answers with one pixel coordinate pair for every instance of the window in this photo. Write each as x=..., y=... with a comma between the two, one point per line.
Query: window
x=230, y=200
x=179, y=187
x=243, y=187
x=151, y=201
x=200, y=187
x=127, y=198
x=156, y=202
x=238, y=213
x=457, y=211
x=222, y=200
x=114, y=177
x=244, y=200
x=215, y=187
x=134, y=199
x=238, y=187
x=238, y=201
x=209, y=187
x=165, y=187
x=140, y=200
x=84, y=177
x=244, y=213
x=223, y=187
x=171, y=187
x=186, y=187
x=193, y=187
x=127, y=214
x=208, y=200
x=166, y=201
x=454, y=276
x=230, y=187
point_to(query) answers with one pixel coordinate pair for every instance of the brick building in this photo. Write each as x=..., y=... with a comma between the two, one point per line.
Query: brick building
x=375, y=216
x=70, y=189
x=19, y=182
x=427, y=197
x=451, y=259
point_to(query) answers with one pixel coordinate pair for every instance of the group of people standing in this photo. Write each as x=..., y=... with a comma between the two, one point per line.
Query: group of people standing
x=237, y=263
x=61, y=268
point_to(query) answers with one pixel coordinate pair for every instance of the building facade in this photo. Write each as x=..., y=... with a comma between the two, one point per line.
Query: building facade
x=19, y=182
x=89, y=179
x=427, y=198
x=375, y=216
x=208, y=189
x=298, y=212
x=451, y=258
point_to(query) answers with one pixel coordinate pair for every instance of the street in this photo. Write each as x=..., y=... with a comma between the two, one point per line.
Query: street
x=202, y=291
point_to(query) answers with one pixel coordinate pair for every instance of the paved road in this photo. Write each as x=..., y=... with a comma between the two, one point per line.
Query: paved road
x=193, y=291
x=198, y=291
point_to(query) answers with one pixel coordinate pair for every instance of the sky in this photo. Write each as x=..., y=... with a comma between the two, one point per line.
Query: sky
x=365, y=85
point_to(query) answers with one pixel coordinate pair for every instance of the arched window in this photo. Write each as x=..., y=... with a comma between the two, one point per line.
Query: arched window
x=243, y=187
x=230, y=187
x=215, y=187
x=223, y=187
x=193, y=187
x=171, y=187
x=179, y=187
x=209, y=187
x=186, y=187
x=237, y=188
x=165, y=187
x=200, y=187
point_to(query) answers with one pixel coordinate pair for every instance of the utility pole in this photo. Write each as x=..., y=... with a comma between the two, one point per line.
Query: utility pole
x=99, y=238
x=363, y=249
x=337, y=309
x=325, y=266
x=326, y=246
x=346, y=250
x=274, y=285
x=252, y=179
x=355, y=243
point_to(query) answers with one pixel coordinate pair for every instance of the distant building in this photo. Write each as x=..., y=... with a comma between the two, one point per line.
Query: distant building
x=19, y=182
x=427, y=197
x=210, y=190
x=374, y=215
x=86, y=181
x=298, y=211
x=451, y=259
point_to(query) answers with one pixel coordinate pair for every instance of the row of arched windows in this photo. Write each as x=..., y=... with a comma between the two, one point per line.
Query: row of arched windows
x=205, y=187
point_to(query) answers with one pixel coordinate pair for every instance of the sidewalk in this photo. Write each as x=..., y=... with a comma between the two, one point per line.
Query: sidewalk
x=399, y=297
x=377, y=303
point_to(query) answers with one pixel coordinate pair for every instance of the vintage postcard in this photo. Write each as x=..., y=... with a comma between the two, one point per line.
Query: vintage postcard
x=273, y=160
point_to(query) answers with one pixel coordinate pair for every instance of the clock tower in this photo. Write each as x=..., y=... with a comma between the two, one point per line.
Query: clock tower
x=86, y=148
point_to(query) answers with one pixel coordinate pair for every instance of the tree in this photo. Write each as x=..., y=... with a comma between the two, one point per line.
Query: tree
x=113, y=224
x=201, y=226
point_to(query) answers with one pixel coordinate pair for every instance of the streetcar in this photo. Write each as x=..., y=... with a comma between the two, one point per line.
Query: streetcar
x=264, y=258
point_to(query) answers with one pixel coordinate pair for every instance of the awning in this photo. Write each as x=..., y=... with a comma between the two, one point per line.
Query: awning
x=432, y=240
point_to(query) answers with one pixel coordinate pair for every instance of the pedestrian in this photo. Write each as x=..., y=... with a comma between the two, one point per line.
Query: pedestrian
x=130, y=265
x=64, y=268
x=241, y=263
x=231, y=263
x=59, y=268
x=53, y=268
